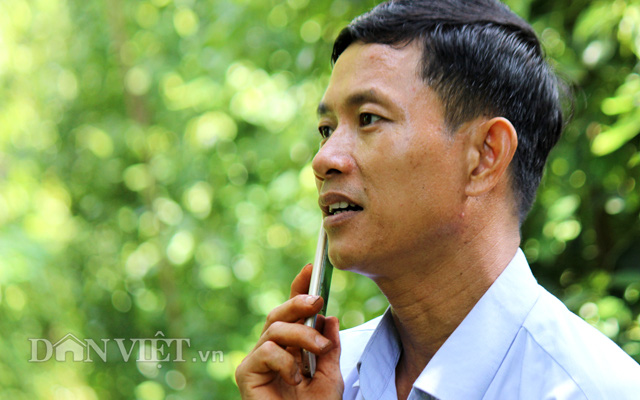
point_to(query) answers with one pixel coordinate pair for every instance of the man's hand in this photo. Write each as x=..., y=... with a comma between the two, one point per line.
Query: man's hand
x=273, y=368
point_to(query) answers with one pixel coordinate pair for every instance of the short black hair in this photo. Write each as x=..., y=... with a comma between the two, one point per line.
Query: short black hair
x=482, y=60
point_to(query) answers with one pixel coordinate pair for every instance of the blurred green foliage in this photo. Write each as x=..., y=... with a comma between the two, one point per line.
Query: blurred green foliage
x=155, y=176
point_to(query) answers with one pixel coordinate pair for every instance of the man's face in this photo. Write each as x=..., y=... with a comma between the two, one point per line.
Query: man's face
x=387, y=152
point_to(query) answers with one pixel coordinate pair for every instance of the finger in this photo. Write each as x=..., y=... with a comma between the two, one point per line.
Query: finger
x=320, y=322
x=256, y=370
x=295, y=351
x=296, y=335
x=300, y=284
x=329, y=363
x=299, y=307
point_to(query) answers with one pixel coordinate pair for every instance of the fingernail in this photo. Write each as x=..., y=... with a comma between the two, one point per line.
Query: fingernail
x=322, y=342
x=298, y=377
x=312, y=299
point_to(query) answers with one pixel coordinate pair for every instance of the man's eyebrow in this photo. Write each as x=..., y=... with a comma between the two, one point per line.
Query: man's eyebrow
x=356, y=99
x=323, y=109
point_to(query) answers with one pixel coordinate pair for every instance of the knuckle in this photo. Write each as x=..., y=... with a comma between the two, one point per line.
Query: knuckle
x=268, y=332
x=271, y=317
x=270, y=346
x=275, y=327
x=238, y=372
x=241, y=371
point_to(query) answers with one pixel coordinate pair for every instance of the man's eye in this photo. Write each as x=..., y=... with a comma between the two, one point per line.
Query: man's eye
x=368, y=119
x=325, y=131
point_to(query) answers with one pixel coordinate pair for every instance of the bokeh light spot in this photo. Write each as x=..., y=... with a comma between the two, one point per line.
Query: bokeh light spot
x=310, y=31
x=137, y=177
x=137, y=81
x=176, y=380
x=352, y=318
x=278, y=236
x=96, y=140
x=567, y=230
x=197, y=199
x=121, y=301
x=297, y=4
x=244, y=269
x=238, y=174
x=147, y=15
x=213, y=126
x=149, y=390
x=216, y=276
x=181, y=247
x=185, y=21
x=577, y=179
x=278, y=17
x=614, y=206
x=15, y=298
x=588, y=311
x=67, y=85
x=168, y=211
x=560, y=166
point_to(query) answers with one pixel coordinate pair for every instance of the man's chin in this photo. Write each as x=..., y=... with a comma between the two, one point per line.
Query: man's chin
x=339, y=261
x=347, y=260
x=351, y=252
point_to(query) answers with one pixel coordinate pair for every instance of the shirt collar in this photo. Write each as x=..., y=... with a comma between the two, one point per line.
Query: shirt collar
x=466, y=363
x=377, y=365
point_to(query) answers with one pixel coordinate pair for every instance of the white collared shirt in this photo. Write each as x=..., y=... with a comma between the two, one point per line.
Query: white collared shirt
x=518, y=342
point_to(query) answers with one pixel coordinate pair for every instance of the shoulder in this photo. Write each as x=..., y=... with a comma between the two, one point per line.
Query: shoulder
x=571, y=355
x=352, y=344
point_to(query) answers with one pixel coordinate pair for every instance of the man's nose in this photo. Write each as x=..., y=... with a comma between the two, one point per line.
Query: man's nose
x=335, y=157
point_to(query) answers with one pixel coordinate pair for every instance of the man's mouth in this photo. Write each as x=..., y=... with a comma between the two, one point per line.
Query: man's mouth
x=342, y=206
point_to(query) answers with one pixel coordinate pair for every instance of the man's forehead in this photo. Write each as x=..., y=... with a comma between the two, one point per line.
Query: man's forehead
x=372, y=56
x=371, y=73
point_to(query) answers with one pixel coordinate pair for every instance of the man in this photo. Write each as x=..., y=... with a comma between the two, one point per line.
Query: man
x=435, y=127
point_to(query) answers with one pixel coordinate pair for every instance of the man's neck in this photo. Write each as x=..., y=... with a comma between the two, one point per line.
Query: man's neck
x=429, y=300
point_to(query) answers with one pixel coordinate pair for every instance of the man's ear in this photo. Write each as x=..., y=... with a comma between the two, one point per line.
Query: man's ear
x=491, y=148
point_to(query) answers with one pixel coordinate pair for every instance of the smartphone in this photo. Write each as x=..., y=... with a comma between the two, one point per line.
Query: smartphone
x=319, y=286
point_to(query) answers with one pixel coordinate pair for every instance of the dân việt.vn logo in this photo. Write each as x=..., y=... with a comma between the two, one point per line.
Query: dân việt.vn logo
x=157, y=349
